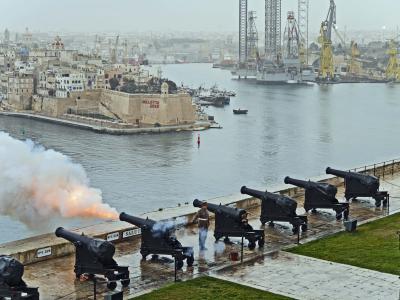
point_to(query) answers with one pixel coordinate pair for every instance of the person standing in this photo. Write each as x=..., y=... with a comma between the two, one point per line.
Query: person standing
x=202, y=218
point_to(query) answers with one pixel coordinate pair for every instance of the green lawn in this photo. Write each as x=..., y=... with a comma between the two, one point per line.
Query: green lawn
x=373, y=246
x=205, y=288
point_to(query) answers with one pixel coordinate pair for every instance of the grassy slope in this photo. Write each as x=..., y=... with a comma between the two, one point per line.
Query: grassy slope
x=374, y=246
x=205, y=288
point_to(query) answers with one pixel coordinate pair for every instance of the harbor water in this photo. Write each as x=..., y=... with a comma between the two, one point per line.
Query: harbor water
x=289, y=130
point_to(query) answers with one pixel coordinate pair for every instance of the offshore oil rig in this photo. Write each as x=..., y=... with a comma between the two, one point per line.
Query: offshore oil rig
x=286, y=57
x=281, y=63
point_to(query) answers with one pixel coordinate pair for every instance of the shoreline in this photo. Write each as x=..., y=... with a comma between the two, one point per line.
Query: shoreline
x=198, y=126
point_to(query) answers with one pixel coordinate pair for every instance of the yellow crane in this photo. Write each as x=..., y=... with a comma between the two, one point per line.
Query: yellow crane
x=354, y=66
x=393, y=67
x=327, y=69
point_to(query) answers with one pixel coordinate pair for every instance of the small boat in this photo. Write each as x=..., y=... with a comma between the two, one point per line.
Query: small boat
x=240, y=111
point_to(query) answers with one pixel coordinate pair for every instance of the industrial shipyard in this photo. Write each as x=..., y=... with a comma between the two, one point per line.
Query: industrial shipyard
x=230, y=149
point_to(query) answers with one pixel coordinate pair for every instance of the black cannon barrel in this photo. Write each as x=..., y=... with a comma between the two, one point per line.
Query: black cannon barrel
x=254, y=193
x=364, y=178
x=297, y=182
x=11, y=271
x=339, y=173
x=280, y=200
x=100, y=248
x=71, y=236
x=235, y=213
x=261, y=195
x=326, y=188
x=139, y=222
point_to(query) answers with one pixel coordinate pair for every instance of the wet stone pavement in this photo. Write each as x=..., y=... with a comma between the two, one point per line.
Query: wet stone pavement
x=57, y=280
x=303, y=277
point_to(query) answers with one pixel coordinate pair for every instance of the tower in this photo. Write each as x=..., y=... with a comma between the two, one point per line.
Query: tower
x=242, y=31
x=302, y=19
x=291, y=38
x=252, y=37
x=273, y=29
x=6, y=36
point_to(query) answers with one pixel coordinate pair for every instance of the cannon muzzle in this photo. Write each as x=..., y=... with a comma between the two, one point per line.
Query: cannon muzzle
x=11, y=271
x=338, y=173
x=102, y=249
x=299, y=183
x=139, y=222
x=197, y=203
x=254, y=193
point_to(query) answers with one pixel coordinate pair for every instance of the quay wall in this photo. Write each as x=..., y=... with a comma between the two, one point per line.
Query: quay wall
x=47, y=246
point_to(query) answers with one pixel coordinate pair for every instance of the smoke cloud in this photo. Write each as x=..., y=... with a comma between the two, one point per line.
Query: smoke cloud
x=39, y=185
x=167, y=225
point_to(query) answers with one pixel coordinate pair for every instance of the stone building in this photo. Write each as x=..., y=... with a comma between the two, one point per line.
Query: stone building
x=67, y=83
x=46, y=84
x=137, y=109
x=20, y=91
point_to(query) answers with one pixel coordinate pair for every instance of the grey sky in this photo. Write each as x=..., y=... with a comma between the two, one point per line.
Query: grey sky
x=186, y=15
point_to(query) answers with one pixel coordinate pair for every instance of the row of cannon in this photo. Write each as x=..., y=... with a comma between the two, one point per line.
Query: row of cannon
x=95, y=256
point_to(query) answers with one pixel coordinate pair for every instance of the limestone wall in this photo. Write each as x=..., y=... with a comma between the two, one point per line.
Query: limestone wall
x=54, y=107
x=145, y=109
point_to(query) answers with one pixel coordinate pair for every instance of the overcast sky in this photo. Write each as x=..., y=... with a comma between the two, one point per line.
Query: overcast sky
x=179, y=15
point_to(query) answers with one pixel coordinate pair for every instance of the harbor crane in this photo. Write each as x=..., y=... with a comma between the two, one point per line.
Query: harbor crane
x=327, y=70
x=393, y=67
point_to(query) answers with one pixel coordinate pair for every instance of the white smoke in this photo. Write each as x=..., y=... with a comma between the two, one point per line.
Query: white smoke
x=165, y=226
x=39, y=185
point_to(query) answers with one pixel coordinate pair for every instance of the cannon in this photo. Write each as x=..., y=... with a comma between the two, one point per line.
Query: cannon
x=361, y=185
x=95, y=257
x=278, y=208
x=12, y=286
x=232, y=222
x=158, y=239
x=320, y=195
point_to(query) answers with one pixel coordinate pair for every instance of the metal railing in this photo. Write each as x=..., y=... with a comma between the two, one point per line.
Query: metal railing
x=382, y=168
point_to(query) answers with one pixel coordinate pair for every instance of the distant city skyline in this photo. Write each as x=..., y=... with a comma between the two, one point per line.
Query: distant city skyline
x=181, y=15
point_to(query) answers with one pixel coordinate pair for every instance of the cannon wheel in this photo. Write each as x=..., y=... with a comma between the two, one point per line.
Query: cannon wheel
x=261, y=243
x=125, y=282
x=252, y=245
x=179, y=264
x=346, y=214
x=190, y=261
x=217, y=237
x=112, y=285
x=144, y=254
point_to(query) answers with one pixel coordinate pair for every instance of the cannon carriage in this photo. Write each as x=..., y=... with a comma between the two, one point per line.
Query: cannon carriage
x=232, y=222
x=95, y=257
x=278, y=208
x=160, y=241
x=321, y=196
x=12, y=286
x=361, y=185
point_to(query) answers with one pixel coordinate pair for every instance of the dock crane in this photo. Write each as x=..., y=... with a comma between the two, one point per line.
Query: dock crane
x=393, y=67
x=353, y=65
x=327, y=70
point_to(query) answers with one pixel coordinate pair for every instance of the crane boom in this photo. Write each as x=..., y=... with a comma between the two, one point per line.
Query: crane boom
x=330, y=20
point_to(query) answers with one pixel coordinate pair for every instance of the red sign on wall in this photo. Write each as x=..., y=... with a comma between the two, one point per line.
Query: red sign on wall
x=152, y=103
